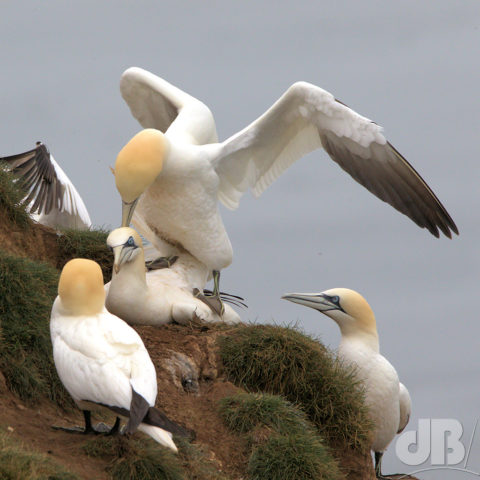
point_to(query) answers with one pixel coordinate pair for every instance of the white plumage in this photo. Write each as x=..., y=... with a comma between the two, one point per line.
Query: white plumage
x=155, y=297
x=178, y=192
x=387, y=399
x=99, y=358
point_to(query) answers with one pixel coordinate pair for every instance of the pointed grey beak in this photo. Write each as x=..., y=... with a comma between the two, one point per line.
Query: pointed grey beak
x=318, y=301
x=127, y=212
x=117, y=257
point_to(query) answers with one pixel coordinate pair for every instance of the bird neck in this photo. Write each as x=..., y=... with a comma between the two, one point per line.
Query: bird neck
x=134, y=271
x=361, y=336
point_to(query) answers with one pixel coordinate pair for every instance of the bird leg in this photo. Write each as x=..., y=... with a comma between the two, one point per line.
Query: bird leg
x=378, y=468
x=115, y=429
x=100, y=428
x=213, y=300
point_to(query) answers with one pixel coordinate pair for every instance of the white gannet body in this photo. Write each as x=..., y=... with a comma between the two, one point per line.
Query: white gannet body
x=387, y=399
x=158, y=296
x=176, y=175
x=101, y=361
x=52, y=199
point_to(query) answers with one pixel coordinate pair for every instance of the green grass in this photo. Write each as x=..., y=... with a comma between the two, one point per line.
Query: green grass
x=11, y=199
x=20, y=463
x=296, y=457
x=28, y=291
x=144, y=459
x=284, y=443
x=284, y=361
x=136, y=459
x=85, y=244
x=244, y=412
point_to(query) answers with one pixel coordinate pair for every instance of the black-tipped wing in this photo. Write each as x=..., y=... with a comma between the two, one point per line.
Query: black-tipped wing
x=37, y=177
x=307, y=117
x=389, y=176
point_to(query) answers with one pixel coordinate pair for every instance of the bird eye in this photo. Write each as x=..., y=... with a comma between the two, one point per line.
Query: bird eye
x=130, y=242
x=335, y=299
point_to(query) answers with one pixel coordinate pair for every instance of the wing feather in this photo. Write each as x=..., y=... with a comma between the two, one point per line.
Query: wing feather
x=307, y=117
x=156, y=103
x=47, y=188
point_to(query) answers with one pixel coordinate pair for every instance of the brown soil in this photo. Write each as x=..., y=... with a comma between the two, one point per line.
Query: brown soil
x=179, y=353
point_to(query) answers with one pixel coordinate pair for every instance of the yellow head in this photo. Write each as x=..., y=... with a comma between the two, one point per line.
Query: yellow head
x=138, y=164
x=127, y=246
x=347, y=307
x=81, y=287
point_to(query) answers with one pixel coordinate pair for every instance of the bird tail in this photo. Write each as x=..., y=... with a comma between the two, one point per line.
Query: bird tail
x=159, y=435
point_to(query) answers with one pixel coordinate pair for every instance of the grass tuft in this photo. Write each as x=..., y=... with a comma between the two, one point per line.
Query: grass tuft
x=143, y=459
x=28, y=291
x=136, y=459
x=11, y=197
x=244, y=412
x=85, y=244
x=285, y=444
x=296, y=457
x=286, y=362
x=19, y=463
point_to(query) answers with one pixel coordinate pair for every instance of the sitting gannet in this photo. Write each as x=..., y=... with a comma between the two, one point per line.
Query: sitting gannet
x=158, y=296
x=51, y=198
x=175, y=176
x=101, y=361
x=387, y=399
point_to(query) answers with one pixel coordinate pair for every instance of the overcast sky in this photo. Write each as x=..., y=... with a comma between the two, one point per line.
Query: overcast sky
x=413, y=67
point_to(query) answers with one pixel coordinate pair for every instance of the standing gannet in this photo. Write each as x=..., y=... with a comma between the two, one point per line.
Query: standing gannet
x=159, y=296
x=101, y=361
x=387, y=399
x=51, y=198
x=175, y=177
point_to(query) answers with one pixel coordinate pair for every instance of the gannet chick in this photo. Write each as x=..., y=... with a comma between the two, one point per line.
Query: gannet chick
x=51, y=197
x=387, y=399
x=101, y=361
x=175, y=173
x=158, y=296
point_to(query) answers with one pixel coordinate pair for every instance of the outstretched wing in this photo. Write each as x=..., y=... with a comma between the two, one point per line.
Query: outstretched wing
x=47, y=188
x=37, y=177
x=307, y=117
x=156, y=103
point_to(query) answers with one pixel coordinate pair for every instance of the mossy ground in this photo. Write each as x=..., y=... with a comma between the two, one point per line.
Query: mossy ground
x=136, y=458
x=143, y=459
x=19, y=463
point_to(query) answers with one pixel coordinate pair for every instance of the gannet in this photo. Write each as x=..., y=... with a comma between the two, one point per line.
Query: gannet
x=158, y=296
x=388, y=400
x=101, y=361
x=174, y=172
x=51, y=198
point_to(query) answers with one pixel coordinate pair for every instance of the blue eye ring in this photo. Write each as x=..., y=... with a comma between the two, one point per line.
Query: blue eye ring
x=335, y=299
x=130, y=242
